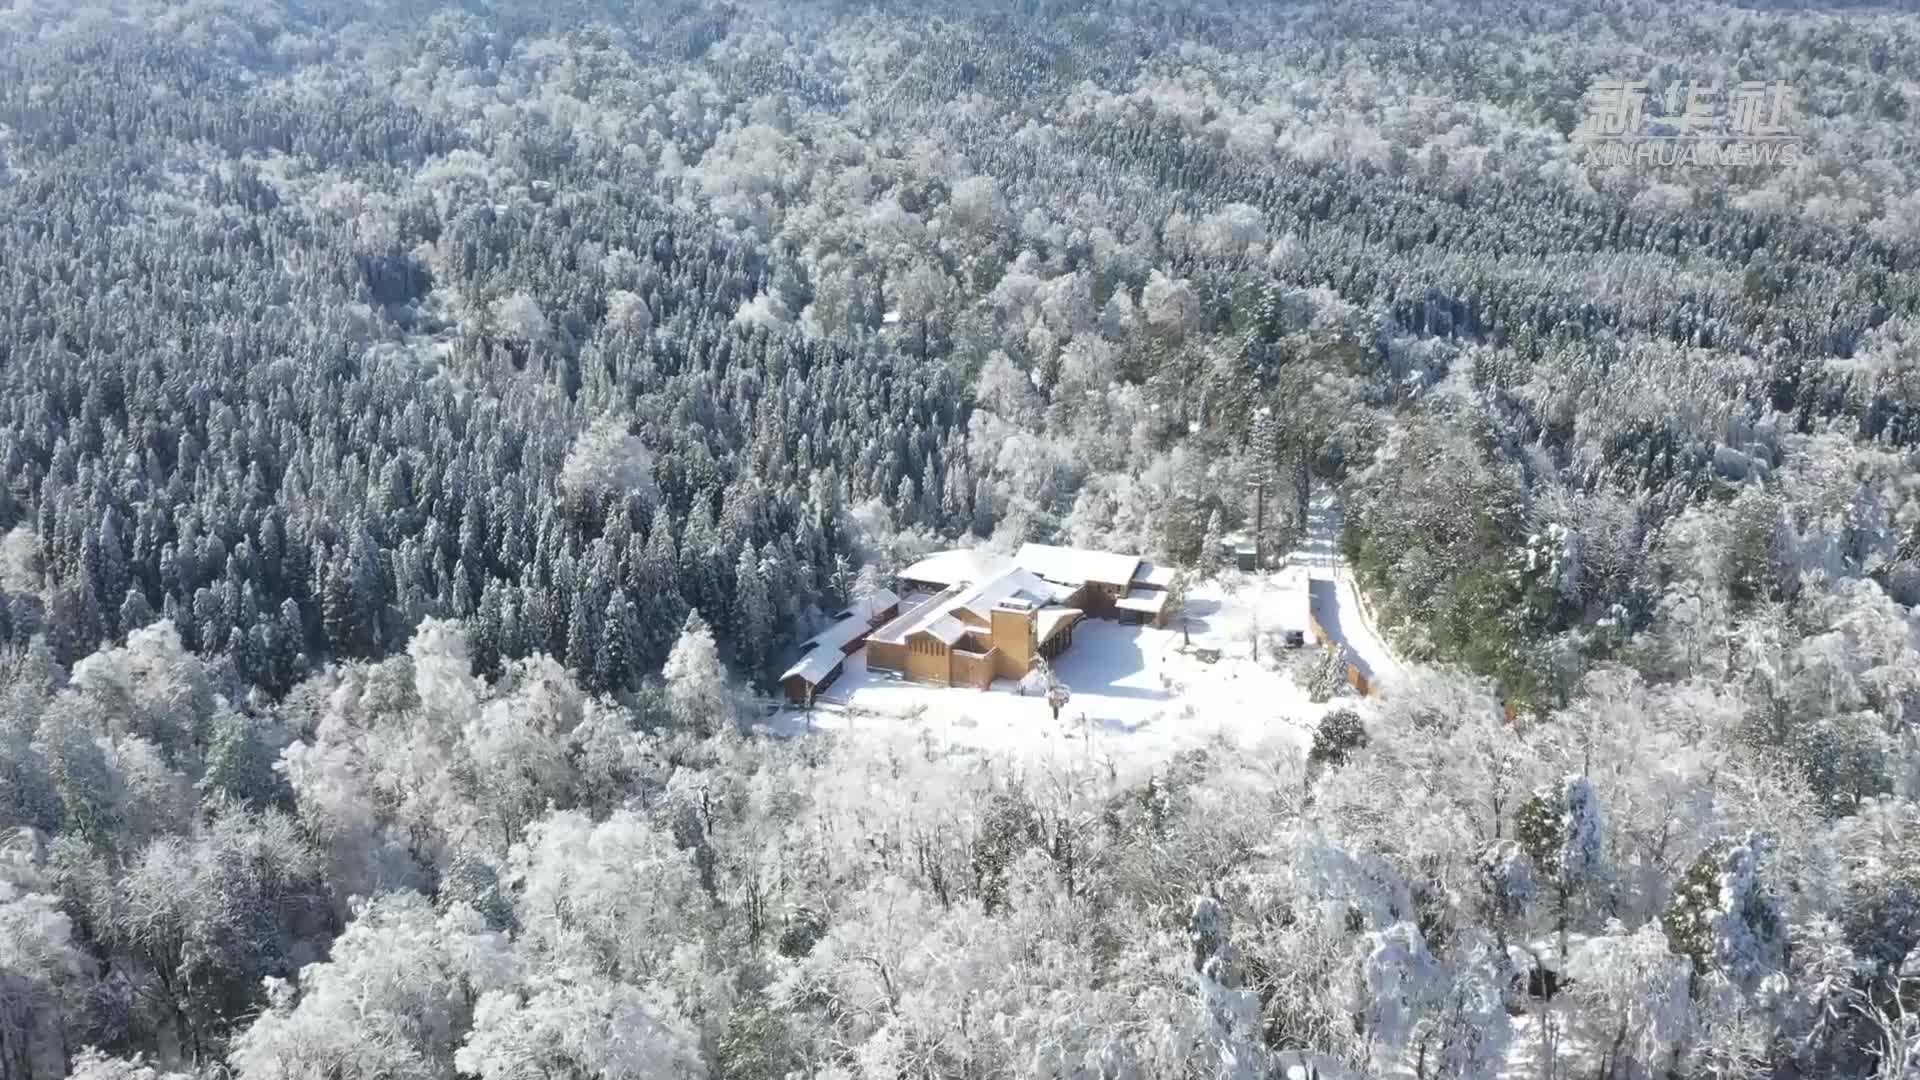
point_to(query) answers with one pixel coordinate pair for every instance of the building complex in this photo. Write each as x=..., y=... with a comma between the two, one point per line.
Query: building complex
x=970, y=616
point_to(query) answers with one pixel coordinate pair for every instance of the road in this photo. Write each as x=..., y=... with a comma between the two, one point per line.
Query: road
x=1335, y=599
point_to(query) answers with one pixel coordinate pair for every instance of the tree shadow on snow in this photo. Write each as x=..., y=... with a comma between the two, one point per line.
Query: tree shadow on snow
x=1325, y=604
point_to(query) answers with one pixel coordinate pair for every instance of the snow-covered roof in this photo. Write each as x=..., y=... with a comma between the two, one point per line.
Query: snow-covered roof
x=1053, y=618
x=1149, y=601
x=1067, y=564
x=1153, y=575
x=1011, y=587
x=957, y=566
x=828, y=647
x=918, y=616
x=872, y=606
x=819, y=662
x=1014, y=588
x=1060, y=565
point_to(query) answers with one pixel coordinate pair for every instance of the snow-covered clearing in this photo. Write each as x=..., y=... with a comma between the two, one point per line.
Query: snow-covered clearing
x=1140, y=694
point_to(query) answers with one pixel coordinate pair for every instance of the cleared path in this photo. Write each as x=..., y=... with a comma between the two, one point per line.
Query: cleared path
x=1333, y=597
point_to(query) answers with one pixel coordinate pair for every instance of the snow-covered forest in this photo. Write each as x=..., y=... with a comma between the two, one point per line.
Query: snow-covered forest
x=426, y=431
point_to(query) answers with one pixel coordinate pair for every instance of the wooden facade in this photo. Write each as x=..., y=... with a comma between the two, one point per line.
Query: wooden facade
x=801, y=691
x=987, y=616
x=1001, y=645
x=972, y=668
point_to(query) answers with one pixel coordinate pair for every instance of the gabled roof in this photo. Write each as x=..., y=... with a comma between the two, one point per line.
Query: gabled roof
x=1011, y=587
x=1077, y=565
x=819, y=662
x=947, y=628
x=871, y=608
x=1017, y=588
x=828, y=647
x=918, y=616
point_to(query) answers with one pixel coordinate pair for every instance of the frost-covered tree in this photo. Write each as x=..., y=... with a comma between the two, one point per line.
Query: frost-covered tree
x=520, y=746
x=395, y=997
x=580, y=1029
x=1169, y=304
x=1232, y=1047
x=698, y=696
x=92, y=1064
x=1636, y=989
x=1510, y=889
x=1058, y=695
x=608, y=898
x=608, y=460
x=1465, y=1031
x=44, y=979
x=520, y=318
x=1397, y=977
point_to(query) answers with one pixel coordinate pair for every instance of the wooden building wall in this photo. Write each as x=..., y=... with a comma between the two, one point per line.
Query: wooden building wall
x=887, y=656
x=928, y=660
x=974, y=669
x=1013, y=643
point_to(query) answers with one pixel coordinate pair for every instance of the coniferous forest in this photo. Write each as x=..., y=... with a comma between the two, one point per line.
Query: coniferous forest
x=427, y=433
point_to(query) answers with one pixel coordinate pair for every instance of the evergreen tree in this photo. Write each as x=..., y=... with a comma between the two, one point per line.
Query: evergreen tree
x=1339, y=735
x=367, y=588
x=1722, y=918
x=338, y=612
x=662, y=610
x=488, y=630
x=614, y=670
x=114, y=575
x=536, y=621
x=246, y=657
x=239, y=766
x=290, y=642
x=583, y=634
x=135, y=612
x=752, y=612
x=1210, y=541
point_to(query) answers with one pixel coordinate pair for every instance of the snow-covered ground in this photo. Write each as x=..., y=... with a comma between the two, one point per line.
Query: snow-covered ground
x=1226, y=611
x=1140, y=693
